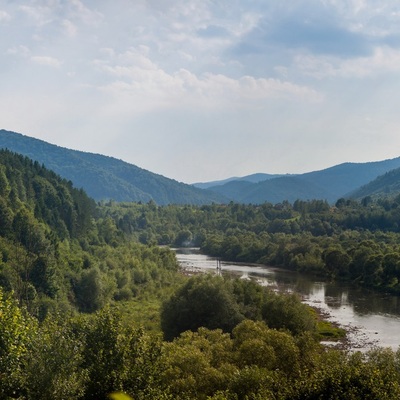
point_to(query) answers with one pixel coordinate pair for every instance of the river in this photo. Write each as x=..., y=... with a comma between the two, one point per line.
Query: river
x=370, y=318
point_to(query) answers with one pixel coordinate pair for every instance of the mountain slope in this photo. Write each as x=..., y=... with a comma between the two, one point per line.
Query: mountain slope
x=328, y=184
x=26, y=186
x=253, y=178
x=272, y=190
x=284, y=188
x=384, y=185
x=105, y=177
x=344, y=178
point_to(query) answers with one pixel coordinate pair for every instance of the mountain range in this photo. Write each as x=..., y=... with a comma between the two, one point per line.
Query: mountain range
x=343, y=180
x=107, y=178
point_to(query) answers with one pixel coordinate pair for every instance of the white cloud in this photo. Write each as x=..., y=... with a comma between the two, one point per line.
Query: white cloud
x=86, y=14
x=4, y=16
x=39, y=14
x=257, y=74
x=382, y=61
x=141, y=82
x=46, y=61
x=248, y=21
x=21, y=51
x=69, y=28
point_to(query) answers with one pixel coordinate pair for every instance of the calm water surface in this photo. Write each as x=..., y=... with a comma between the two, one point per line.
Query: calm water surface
x=371, y=318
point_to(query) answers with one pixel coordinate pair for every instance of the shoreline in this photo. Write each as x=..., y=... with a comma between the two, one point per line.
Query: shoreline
x=354, y=339
x=364, y=332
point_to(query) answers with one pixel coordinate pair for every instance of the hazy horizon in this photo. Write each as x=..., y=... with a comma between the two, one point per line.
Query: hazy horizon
x=201, y=91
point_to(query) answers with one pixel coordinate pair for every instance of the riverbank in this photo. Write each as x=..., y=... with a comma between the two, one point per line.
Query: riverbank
x=346, y=338
x=370, y=318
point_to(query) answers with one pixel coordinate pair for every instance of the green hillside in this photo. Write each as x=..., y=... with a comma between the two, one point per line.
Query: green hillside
x=329, y=184
x=273, y=190
x=343, y=178
x=105, y=178
x=385, y=185
x=57, y=250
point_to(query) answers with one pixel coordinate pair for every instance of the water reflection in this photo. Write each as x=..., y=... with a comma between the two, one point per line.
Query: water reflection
x=372, y=318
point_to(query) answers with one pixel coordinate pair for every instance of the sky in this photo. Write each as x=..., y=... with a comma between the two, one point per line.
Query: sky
x=201, y=90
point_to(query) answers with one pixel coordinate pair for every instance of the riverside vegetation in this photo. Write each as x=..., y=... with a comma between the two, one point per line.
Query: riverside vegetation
x=91, y=304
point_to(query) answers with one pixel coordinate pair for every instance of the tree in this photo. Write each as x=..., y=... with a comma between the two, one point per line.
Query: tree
x=103, y=354
x=184, y=238
x=391, y=268
x=336, y=262
x=16, y=330
x=288, y=312
x=120, y=358
x=52, y=368
x=6, y=218
x=257, y=344
x=203, y=301
x=198, y=364
x=89, y=290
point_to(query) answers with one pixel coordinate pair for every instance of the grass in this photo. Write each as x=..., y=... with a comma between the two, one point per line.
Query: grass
x=329, y=331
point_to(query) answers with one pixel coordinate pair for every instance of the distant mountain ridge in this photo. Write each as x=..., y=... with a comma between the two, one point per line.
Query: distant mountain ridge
x=329, y=184
x=254, y=178
x=105, y=178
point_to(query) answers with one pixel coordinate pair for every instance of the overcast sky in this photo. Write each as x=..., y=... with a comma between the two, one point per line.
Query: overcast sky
x=200, y=90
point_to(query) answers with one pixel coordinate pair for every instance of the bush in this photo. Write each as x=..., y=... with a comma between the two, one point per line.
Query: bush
x=203, y=301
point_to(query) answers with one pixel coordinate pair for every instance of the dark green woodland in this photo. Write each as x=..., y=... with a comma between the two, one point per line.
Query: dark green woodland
x=93, y=302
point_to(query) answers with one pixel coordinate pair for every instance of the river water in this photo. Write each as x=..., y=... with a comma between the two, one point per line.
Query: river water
x=370, y=318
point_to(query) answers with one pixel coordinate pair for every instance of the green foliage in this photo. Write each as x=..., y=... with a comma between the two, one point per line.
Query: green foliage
x=52, y=367
x=119, y=357
x=308, y=236
x=74, y=265
x=386, y=184
x=59, y=253
x=203, y=301
x=89, y=291
x=287, y=312
x=326, y=330
x=373, y=376
x=215, y=303
x=198, y=364
x=16, y=330
x=103, y=354
x=278, y=349
x=98, y=356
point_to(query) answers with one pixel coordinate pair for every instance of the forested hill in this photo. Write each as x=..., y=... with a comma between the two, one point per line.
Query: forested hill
x=57, y=250
x=328, y=184
x=387, y=184
x=38, y=212
x=105, y=177
x=31, y=196
x=276, y=190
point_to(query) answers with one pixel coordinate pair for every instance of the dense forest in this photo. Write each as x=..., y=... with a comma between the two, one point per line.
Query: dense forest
x=357, y=241
x=92, y=301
